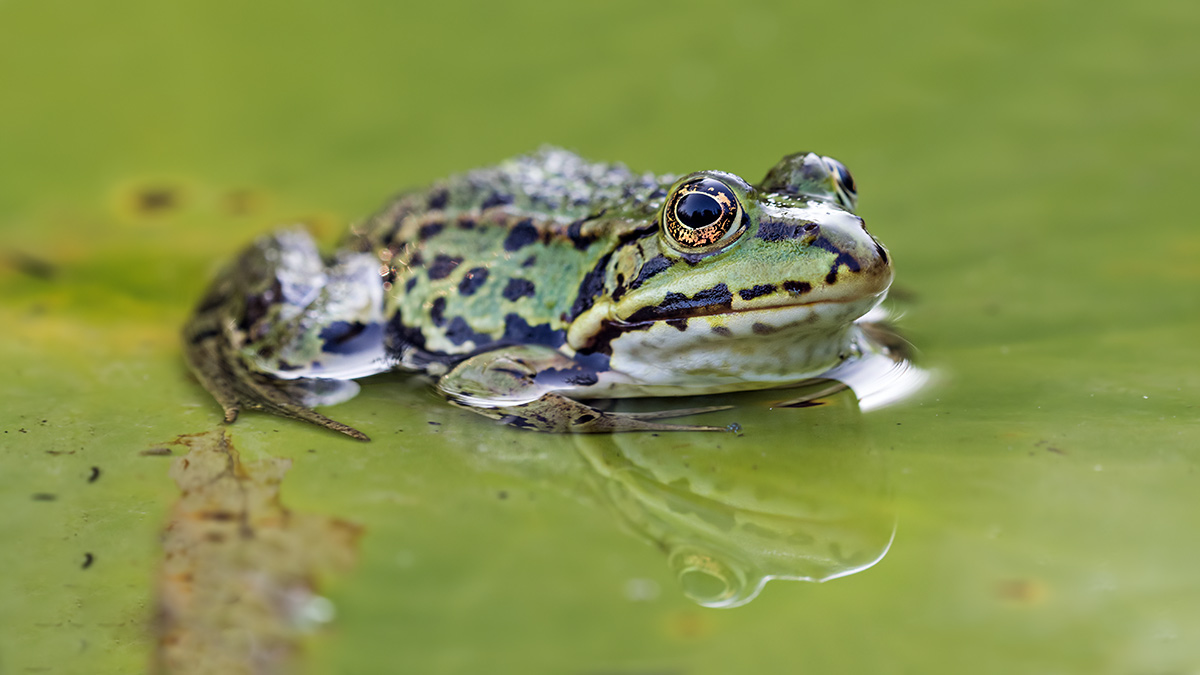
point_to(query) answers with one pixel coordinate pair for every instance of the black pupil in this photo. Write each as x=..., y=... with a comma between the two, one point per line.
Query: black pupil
x=697, y=210
x=846, y=179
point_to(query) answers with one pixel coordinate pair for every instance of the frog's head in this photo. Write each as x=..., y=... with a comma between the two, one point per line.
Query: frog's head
x=787, y=256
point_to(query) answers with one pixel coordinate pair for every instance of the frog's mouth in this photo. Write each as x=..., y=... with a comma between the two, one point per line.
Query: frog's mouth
x=765, y=300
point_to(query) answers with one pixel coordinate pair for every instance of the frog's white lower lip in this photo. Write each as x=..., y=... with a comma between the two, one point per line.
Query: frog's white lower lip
x=870, y=301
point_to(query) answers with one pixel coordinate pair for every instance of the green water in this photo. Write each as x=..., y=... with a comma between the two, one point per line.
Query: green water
x=1028, y=164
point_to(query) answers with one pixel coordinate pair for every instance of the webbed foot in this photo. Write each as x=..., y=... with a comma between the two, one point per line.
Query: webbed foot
x=217, y=364
x=555, y=412
x=260, y=305
x=521, y=386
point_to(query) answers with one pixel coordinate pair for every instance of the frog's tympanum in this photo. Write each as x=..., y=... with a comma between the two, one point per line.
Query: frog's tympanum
x=531, y=287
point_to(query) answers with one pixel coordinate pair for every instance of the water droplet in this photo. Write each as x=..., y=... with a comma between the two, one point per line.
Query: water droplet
x=641, y=590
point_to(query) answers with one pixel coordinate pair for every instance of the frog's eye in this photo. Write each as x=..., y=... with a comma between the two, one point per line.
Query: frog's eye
x=701, y=213
x=843, y=183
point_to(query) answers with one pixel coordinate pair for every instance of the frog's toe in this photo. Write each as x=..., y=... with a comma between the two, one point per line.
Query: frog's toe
x=235, y=387
x=558, y=413
x=821, y=389
x=676, y=412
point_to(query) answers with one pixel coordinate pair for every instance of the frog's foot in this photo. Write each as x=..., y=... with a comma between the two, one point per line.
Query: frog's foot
x=222, y=371
x=281, y=331
x=524, y=386
x=555, y=412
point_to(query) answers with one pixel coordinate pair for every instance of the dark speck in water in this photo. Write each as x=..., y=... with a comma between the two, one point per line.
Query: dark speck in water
x=31, y=266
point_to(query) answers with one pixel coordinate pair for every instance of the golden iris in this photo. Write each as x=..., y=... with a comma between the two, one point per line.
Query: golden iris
x=701, y=212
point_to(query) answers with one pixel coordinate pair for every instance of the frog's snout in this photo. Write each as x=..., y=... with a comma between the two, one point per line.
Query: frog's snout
x=859, y=259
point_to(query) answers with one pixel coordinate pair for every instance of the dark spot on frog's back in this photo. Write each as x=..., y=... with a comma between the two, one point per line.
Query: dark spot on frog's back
x=519, y=288
x=591, y=286
x=437, y=311
x=756, y=291
x=575, y=232
x=343, y=337
x=406, y=342
x=496, y=199
x=442, y=266
x=763, y=328
x=522, y=234
x=460, y=332
x=257, y=305
x=437, y=199
x=474, y=278
x=430, y=230
x=517, y=330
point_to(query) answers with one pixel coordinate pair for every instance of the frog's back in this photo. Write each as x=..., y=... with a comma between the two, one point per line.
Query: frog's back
x=502, y=255
x=552, y=188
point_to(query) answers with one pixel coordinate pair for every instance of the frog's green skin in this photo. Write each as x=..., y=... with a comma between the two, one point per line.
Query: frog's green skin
x=529, y=286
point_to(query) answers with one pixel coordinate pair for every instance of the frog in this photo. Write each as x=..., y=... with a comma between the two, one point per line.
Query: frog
x=529, y=290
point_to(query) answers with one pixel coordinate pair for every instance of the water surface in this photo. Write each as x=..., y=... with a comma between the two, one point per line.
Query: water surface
x=1028, y=165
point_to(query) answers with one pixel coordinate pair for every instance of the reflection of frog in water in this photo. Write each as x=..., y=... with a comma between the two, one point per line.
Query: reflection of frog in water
x=733, y=513
x=782, y=501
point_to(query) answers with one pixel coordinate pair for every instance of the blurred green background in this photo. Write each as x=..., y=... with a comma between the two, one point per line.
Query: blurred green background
x=1028, y=164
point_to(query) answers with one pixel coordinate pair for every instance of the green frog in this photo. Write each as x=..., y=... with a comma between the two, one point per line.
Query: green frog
x=529, y=288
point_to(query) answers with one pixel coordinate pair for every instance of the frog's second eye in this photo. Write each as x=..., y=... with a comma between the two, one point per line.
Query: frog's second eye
x=701, y=213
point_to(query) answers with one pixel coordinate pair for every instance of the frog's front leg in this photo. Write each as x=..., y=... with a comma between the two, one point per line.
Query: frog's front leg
x=280, y=330
x=528, y=386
